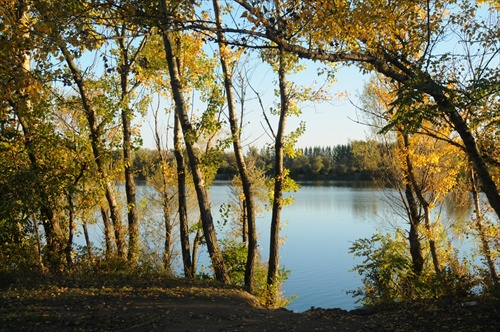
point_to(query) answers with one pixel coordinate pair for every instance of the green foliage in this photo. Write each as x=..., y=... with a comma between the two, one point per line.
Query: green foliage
x=235, y=255
x=385, y=269
x=387, y=274
x=18, y=254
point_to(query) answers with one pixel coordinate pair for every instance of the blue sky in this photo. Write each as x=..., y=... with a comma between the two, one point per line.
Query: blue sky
x=327, y=124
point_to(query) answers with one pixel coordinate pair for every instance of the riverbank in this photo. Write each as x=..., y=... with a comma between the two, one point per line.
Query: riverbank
x=180, y=305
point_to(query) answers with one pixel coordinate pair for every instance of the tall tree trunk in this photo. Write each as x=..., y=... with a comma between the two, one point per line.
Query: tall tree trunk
x=38, y=242
x=414, y=235
x=127, y=60
x=96, y=143
x=87, y=241
x=221, y=273
x=108, y=233
x=166, y=201
x=22, y=106
x=130, y=190
x=279, y=177
x=167, y=249
x=425, y=206
x=413, y=214
x=189, y=266
x=196, y=245
x=249, y=211
x=485, y=246
x=71, y=230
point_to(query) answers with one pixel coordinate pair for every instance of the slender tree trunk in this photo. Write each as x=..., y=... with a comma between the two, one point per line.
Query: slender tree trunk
x=21, y=103
x=167, y=250
x=413, y=214
x=244, y=227
x=221, y=273
x=196, y=246
x=38, y=242
x=71, y=230
x=95, y=140
x=189, y=266
x=425, y=206
x=249, y=211
x=273, y=271
x=108, y=232
x=87, y=241
x=130, y=190
x=485, y=246
x=127, y=60
x=432, y=242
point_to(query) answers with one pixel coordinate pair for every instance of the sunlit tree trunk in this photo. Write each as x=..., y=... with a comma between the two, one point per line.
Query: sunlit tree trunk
x=22, y=106
x=412, y=210
x=425, y=206
x=96, y=143
x=196, y=246
x=485, y=246
x=279, y=177
x=249, y=211
x=221, y=273
x=189, y=265
x=38, y=242
x=108, y=232
x=127, y=61
x=87, y=240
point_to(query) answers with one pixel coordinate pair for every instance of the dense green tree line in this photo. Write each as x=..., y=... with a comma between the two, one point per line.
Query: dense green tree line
x=356, y=160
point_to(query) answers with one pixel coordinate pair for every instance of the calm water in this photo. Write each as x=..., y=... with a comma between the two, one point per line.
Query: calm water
x=319, y=228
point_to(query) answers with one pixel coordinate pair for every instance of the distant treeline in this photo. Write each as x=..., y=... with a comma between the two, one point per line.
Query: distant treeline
x=356, y=160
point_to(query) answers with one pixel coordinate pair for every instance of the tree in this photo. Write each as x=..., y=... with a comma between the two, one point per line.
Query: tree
x=129, y=58
x=247, y=186
x=429, y=165
x=401, y=42
x=22, y=102
x=189, y=134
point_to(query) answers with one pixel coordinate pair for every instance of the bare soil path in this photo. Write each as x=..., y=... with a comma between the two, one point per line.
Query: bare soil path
x=179, y=305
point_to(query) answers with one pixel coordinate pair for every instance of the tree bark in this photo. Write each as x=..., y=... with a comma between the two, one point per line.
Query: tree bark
x=221, y=273
x=189, y=266
x=485, y=246
x=108, y=233
x=425, y=206
x=413, y=214
x=21, y=103
x=249, y=211
x=87, y=240
x=126, y=63
x=95, y=140
x=273, y=271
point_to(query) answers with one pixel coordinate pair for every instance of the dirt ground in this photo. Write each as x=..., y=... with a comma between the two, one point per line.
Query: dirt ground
x=178, y=305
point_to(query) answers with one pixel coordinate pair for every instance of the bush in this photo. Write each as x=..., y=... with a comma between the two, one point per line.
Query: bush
x=235, y=256
x=387, y=274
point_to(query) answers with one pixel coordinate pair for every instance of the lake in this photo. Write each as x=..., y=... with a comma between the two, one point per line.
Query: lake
x=319, y=227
